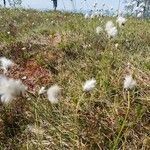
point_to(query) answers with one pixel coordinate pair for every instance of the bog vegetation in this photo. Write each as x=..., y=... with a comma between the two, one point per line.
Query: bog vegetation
x=72, y=82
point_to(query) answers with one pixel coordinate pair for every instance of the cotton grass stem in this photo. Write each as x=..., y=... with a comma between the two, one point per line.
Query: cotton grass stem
x=123, y=124
x=76, y=116
x=78, y=103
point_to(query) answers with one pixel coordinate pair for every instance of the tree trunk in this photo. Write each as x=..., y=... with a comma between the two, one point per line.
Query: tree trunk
x=55, y=4
x=4, y=3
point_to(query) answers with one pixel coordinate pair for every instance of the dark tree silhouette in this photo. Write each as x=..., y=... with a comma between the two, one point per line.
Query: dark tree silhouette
x=4, y=2
x=54, y=4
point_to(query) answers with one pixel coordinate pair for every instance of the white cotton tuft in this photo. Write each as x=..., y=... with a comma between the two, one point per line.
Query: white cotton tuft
x=109, y=25
x=139, y=15
x=86, y=16
x=10, y=89
x=92, y=16
x=35, y=129
x=112, y=32
x=129, y=83
x=5, y=64
x=42, y=90
x=98, y=30
x=53, y=94
x=111, y=29
x=116, y=45
x=97, y=14
x=6, y=98
x=121, y=21
x=89, y=85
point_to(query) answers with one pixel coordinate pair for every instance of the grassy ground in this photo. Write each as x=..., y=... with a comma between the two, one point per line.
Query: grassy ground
x=63, y=48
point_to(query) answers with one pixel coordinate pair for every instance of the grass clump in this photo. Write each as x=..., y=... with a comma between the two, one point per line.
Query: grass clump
x=63, y=48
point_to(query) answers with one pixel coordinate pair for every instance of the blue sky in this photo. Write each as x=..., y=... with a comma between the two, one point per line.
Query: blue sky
x=67, y=4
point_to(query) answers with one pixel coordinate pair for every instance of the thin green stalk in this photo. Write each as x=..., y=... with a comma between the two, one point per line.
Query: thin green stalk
x=76, y=116
x=123, y=124
x=78, y=103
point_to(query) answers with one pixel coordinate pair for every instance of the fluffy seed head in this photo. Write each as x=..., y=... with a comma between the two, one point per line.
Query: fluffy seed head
x=5, y=63
x=109, y=25
x=93, y=15
x=98, y=30
x=140, y=14
x=53, y=93
x=86, y=16
x=129, y=83
x=89, y=85
x=111, y=29
x=42, y=90
x=34, y=129
x=10, y=89
x=121, y=21
x=116, y=45
x=112, y=32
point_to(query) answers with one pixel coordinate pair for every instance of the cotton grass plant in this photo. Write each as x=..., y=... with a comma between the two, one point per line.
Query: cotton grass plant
x=10, y=89
x=111, y=29
x=5, y=64
x=106, y=115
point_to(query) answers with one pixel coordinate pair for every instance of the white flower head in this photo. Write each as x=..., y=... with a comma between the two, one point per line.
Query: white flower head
x=24, y=78
x=99, y=29
x=5, y=63
x=93, y=15
x=139, y=15
x=42, y=90
x=111, y=29
x=53, y=93
x=89, y=85
x=86, y=16
x=24, y=48
x=97, y=14
x=10, y=89
x=129, y=83
x=121, y=21
x=116, y=45
x=109, y=25
x=35, y=129
x=112, y=32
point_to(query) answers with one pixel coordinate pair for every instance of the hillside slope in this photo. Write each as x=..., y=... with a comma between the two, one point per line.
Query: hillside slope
x=63, y=48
